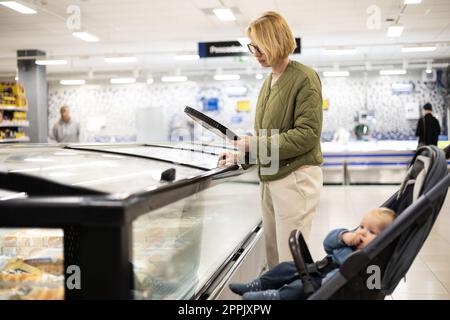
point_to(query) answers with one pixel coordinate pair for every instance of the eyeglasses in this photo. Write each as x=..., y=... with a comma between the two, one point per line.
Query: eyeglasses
x=253, y=49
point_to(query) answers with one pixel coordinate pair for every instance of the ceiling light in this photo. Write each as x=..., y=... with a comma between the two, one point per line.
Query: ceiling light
x=329, y=52
x=85, y=36
x=392, y=72
x=259, y=76
x=226, y=77
x=50, y=62
x=174, y=79
x=72, y=82
x=224, y=14
x=60, y=174
x=419, y=49
x=120, y=59
x=18, y=7
x=150, y=80
x=122, y=80
x=38, y=159
x=236, y=91
x=187, y=57
x=402, y=87
x=336, y=73
x=412, y=1
x=395, y=31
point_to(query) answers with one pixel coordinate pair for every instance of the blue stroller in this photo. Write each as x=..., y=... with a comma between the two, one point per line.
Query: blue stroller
x=417, y=204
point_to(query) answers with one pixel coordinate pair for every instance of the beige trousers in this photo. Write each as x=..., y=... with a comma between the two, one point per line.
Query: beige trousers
x=287, y=204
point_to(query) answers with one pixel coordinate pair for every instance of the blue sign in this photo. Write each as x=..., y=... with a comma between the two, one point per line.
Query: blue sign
x=211, y=104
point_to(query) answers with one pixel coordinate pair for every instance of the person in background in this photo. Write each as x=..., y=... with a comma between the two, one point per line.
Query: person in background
x=428, y=128
x=66, y=129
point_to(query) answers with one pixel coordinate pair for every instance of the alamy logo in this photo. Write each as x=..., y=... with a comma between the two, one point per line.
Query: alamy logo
x=73, y=22
x=374, y=280
x=73, y=277
x=374, y=18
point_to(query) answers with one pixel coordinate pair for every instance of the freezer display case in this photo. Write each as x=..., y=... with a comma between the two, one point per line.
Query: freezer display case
x=376, y=162
x=131, y=221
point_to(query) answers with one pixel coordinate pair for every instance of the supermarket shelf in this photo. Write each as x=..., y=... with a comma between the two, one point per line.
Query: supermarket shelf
x=7, y=124
x=26, y=139
x=13, y=108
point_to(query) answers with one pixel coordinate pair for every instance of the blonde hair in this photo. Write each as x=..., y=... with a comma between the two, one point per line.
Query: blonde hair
x=272, y=35
x=384, y=213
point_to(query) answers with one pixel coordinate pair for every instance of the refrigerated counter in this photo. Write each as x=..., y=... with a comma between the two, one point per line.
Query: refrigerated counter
x=369, y=162
x=135, y=221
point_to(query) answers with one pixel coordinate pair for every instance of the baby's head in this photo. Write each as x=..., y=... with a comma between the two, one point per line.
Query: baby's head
x=372, y=223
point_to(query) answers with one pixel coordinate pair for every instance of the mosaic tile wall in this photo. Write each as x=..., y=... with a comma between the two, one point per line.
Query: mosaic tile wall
x=386, y=112
x=109, y=112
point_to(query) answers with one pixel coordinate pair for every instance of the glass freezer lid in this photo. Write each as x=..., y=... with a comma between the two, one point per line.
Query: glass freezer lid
x=98, y=171
x=6, y=195
x=210, y=124
x=186, y=154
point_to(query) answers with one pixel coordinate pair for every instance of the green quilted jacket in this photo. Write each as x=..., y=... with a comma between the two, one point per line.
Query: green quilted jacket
x=293, y=106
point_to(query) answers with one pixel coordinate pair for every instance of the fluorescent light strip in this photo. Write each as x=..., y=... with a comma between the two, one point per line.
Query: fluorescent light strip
x=122, y=80
x=174, y=79
x=259, y=76
x=18, y=7
x=419, y=49
x=330, y=52
x=224, y=14
x=392, y=72
x=412, y=1
x=395, y=31
x=226, y=77
x=187, y=57
x=85, y=36
x=120, y=59
x=51, y=62
x=72, y=82
x=336, y=73
x=150, y=80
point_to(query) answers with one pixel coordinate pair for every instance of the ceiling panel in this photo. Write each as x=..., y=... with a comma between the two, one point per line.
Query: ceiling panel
x=166, y=27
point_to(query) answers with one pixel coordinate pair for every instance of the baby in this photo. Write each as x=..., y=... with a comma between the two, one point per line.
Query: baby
x=283, y=281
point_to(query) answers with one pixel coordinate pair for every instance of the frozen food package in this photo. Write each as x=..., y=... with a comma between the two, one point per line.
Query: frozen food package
x=31, y=264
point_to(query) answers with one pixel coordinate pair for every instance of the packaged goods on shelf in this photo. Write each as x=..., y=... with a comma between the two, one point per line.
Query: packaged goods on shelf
x=13, y=112
x=22, y=281
x=31, y=264
x=12, y=93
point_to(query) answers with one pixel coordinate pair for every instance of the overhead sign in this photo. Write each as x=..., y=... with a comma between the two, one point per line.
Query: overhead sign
x=221, y=49
x=229, y=49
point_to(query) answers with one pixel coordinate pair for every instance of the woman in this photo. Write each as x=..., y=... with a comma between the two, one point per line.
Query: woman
x=290, y=101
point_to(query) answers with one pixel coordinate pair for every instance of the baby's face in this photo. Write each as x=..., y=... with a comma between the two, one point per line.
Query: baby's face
x=371, y=226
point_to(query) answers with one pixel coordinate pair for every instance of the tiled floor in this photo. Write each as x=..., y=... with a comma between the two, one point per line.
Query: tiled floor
x=429, y=276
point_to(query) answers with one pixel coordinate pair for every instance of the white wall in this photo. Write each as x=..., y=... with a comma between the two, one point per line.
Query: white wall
x=117, y=105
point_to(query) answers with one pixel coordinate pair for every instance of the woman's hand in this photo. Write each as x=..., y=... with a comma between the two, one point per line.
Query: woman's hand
x=227, y=157
x=243, y=143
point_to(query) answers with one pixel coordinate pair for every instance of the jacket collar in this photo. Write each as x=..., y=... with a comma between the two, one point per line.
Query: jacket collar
x=284, y=79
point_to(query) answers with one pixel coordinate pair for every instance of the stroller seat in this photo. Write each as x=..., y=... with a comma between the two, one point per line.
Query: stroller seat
x=417, y=204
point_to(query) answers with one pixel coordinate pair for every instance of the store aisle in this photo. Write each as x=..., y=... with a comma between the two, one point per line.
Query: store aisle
x=428, y=278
